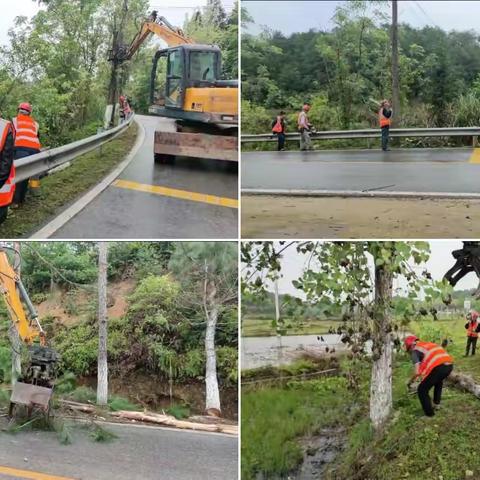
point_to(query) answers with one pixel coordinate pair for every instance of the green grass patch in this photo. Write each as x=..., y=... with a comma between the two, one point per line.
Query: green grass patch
x=179, y=411
x=83, y=395
x=263, y=327
x=62, y=188
x=119, y=403
x=273, y=420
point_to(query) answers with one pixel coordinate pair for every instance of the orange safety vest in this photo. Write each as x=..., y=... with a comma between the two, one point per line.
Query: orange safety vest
x=8, y=189
x=26, y=132
x=384, y=121
x=433, y=356
x=471, y=329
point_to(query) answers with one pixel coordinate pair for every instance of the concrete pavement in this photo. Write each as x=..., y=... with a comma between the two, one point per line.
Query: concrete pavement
x=454, y=170
x=139, y=453
x=151, y=200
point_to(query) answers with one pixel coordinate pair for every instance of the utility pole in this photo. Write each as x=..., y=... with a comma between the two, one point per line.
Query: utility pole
x=117, y=41
x=395, y=82
x=12, y=331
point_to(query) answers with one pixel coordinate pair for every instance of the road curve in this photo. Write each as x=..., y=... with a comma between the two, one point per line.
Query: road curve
x=138, y=453
x=148, y=201
x=453, y=170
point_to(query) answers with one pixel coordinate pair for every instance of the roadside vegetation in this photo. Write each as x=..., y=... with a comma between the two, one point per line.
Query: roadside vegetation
x=156, y=325
x=345, y=71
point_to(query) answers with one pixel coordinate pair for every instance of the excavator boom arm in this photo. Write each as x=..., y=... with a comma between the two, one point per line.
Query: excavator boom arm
x=161, y=28
x=16, y=297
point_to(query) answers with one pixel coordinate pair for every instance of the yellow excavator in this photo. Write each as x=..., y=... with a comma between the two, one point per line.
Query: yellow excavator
x=204, y=106
x=35, y=387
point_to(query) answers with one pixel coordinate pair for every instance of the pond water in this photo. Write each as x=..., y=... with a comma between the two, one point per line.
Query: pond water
x=264, y=351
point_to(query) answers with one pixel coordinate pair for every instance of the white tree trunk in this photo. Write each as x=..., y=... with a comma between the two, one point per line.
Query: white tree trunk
x=381, y=381
x=102, y=376
x=16, y=344
x=381, y=386
x=212, y=403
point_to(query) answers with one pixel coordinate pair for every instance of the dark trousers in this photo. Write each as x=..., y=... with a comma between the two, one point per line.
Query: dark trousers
x=385, y=138
x=471, y=342
x=435, y=381
x=21, y=188
x=281, y=141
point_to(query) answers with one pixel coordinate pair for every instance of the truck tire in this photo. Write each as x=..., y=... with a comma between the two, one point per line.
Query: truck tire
x=162, y=158
x=3, y=214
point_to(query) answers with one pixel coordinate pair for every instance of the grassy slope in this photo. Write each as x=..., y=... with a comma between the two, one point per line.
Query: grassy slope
x=60, y=189
x=413, y=446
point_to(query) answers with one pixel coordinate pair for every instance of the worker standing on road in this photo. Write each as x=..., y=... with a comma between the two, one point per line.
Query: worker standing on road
x=7, y=167
x=385, y=119
x=473, y=328
x=433, y=365
x=26, y=143
x=278, y=127
x=304, y=127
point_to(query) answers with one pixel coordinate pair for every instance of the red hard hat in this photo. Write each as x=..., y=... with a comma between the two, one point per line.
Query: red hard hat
x=474, y=314
x=25, y=106
x=122, y=98
x=409, y=341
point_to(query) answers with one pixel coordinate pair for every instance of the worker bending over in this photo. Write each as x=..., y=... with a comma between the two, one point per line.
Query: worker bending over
x=7, y=168
x=26, y=143
x=304, y=127
x=385, y=119
x=433, y=365
x=473, y=328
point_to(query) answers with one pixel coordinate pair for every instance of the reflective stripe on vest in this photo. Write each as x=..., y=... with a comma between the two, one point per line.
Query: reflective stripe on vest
x=384, y=121
x=471, y=329
x=27, y=132
x=433, y=356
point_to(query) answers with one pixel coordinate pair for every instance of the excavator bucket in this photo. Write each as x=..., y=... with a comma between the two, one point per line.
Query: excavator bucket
x=31, y=396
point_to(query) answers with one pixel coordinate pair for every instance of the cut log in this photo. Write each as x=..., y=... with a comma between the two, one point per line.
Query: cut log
x=465, y=383
x=78, y=407
x=170, y=421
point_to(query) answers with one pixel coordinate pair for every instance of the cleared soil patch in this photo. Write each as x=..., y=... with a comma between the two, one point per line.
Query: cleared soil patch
x=287, y=217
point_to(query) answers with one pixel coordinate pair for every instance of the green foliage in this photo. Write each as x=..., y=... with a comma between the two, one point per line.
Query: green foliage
x=349, y=68
x=101, y=434
x=116, y=404
x=67, y=383
x=179, y=411
x=83, y=395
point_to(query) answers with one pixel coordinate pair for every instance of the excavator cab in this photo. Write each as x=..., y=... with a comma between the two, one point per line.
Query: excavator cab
x=193, y=89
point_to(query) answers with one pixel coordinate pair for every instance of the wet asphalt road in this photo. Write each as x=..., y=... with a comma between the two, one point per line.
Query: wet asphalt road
x=127, y=213
x=412, y=170
x=139, y=453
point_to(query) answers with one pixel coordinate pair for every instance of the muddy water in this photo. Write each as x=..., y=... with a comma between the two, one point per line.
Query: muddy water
x=264, y=351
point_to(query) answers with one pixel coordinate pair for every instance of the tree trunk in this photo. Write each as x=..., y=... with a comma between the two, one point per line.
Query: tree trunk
x=395, y=79
x=278, y=327
x=16, y=344
x=102, y=376
x=381, y=382
x=212, y=403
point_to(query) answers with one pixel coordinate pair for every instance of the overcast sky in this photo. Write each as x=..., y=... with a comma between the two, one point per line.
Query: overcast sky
x=440, y=261
x=173, y=10
x=299, y=16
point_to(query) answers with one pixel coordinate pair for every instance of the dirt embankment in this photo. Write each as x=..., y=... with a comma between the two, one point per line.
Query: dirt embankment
x=320, y=217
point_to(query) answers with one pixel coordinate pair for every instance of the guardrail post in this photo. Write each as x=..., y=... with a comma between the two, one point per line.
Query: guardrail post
x=474, y=141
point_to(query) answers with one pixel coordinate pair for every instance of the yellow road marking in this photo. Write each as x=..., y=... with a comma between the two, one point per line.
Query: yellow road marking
x=173, y=192
x=475, y=157
x=14, y=472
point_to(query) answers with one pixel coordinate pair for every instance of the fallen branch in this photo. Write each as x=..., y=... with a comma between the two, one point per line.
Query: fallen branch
x=465, y=383
x=173, y=422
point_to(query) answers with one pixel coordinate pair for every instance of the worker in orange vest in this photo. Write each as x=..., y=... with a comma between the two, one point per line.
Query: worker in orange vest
x=7, y=168
x=385, y=119
x=27, y=143
x=432, y=365
x=473, y=328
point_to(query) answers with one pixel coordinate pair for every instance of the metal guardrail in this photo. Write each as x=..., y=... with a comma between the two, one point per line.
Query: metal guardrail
x=372, y=133
x=42, y=162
